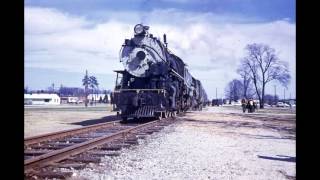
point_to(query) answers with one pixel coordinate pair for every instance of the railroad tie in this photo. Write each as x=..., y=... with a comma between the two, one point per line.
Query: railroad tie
x=52, y=175
x=131, y=138
x=111, y=148
x=60, y=144
x=149, y=132
x=123, y=145
x=155, y=129
x=132, y=142
x=142, y=136
x=85, y=159
x=35, y=152
x=78, y=140
x=46, y=146
x=27, y=157
x=77, y=166
x=104, y=153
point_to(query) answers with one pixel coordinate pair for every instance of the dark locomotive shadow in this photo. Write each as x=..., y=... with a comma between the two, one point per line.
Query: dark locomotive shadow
x=96, y=121
x=137, y=120
x=279, y=158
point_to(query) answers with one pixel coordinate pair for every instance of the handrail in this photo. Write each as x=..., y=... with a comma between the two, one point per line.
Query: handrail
x=138, y=90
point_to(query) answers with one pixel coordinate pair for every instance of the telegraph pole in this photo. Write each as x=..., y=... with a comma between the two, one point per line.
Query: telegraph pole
x=216, y=93
x=53, y=87
x=86, y=89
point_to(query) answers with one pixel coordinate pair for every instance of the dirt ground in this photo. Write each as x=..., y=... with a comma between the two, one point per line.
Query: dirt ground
x=46, y=119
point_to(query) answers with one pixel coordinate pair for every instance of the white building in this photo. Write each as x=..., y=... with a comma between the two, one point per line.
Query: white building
x=41, y=99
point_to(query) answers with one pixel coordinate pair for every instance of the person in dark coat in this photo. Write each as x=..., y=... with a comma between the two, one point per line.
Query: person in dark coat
x=244, y=105
x=250, y=105
x=254, y=106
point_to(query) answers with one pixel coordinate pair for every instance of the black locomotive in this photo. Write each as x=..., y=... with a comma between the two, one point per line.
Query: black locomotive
x=154, y=82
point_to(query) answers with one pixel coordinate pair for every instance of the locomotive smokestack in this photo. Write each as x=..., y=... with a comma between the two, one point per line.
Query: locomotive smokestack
x=165, y=40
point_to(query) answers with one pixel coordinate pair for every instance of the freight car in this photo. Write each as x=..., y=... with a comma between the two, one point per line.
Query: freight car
x=155, y=82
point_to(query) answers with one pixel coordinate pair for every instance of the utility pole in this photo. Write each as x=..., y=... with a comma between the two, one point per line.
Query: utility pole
x=284, y=94
x=216, y=93
x=86, y=90
x=53, y=87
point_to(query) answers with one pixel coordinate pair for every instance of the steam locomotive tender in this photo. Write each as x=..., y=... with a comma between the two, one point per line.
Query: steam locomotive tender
x=154, y=82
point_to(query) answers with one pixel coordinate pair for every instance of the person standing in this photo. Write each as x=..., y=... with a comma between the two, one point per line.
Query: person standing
x=244, y=105
x=250, y=104
x=254, y=106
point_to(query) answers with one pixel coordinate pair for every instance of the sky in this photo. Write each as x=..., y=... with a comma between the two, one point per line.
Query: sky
x=63, y=38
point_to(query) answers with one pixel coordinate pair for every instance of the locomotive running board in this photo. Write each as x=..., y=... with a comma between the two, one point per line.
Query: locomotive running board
x=138, y=90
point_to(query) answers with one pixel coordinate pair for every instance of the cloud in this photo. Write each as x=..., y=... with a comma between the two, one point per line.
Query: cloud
x=50, y=21
x=212, y=45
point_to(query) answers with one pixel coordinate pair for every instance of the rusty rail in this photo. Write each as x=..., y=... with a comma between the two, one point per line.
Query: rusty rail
x=45, y=137
x=58, y=155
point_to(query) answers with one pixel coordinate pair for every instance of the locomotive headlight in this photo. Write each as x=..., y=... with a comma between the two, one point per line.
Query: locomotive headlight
x=138, y=29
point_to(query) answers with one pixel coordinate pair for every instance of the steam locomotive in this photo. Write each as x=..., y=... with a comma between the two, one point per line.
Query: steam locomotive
x=155, y=83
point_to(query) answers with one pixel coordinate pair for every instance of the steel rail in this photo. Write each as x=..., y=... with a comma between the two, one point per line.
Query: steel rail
x=58, y=155
x=45, y=137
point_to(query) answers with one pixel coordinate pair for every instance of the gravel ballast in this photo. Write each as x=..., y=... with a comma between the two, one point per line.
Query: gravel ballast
x=203, y=145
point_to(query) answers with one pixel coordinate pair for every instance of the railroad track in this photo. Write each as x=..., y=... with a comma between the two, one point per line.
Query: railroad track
x=44, y=155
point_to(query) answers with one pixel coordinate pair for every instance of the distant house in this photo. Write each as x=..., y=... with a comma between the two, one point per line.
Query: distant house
x=41, y=99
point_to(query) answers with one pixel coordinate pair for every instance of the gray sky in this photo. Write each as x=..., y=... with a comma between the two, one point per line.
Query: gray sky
x=64, y=38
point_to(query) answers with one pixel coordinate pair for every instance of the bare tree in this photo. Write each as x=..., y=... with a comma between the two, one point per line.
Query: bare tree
x=264, y=66
x=234, y=90
x=248, y=91
x=270, y=99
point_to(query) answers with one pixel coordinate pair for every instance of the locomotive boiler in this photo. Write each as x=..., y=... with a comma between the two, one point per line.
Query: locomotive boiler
x=155, y=82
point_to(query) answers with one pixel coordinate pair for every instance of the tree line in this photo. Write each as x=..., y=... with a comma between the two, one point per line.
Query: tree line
x=260, y=66
x=90, y=83
x=66, y=91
